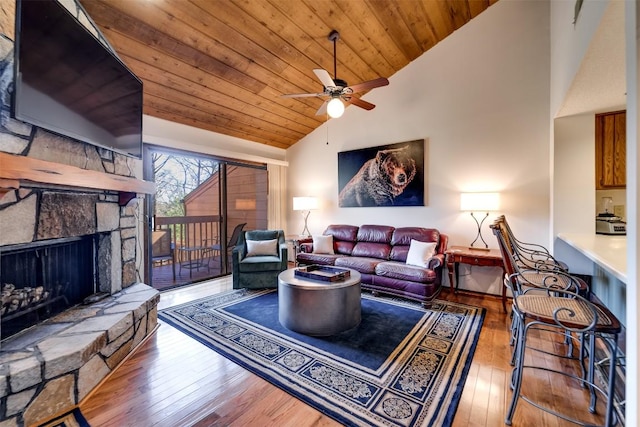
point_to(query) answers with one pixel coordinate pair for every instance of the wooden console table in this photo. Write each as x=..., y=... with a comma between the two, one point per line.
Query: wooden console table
x=457, y=255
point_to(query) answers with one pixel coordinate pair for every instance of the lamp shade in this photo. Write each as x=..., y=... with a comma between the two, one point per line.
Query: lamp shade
x=245, y=204
x=479, y=202
x=335, y=108
x=305, y=203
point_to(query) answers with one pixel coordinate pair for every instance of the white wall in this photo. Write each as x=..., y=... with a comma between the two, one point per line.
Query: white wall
x=480, y=99
x=574, y=174
x=175, y=135
x=573, y=137
x=632, y=34
x=571, y=52
x=570, y=43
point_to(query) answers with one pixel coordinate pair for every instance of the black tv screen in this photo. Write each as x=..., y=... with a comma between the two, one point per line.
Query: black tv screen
x=68, y=82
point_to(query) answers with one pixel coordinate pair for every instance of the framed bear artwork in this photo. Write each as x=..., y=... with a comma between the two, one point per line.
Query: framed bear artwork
x=387, y=175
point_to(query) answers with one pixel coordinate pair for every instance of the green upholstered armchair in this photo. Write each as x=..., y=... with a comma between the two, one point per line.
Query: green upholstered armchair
x=258, y=259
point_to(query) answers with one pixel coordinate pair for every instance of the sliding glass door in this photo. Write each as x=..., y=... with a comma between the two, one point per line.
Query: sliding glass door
x=200, y=206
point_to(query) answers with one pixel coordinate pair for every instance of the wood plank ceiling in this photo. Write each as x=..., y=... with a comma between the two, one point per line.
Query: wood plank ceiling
x=221, y=65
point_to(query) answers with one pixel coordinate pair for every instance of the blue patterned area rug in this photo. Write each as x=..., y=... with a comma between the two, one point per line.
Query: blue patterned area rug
x=402, y=366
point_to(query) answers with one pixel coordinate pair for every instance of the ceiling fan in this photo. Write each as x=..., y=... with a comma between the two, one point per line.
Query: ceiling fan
x=337, y=90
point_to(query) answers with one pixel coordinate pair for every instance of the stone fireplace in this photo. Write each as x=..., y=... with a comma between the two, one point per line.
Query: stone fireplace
x=42, y=279
x=85, y=236
x=57, y=192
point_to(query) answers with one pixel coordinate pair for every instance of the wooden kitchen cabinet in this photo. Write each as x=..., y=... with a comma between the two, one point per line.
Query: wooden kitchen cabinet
x=611, y=150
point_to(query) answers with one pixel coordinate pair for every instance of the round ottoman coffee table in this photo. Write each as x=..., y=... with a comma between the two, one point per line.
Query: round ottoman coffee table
x=313, y=307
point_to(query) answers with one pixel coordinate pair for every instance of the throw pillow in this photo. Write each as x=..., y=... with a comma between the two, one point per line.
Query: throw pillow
x=323, y=245
x=262, y=247
x=420, y=252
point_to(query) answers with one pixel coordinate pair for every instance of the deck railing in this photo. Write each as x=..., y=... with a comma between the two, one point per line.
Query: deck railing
x=190, y=235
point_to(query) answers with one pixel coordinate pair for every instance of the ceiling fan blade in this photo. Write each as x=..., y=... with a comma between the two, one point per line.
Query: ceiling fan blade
x=380, y=81
x=324, y=77
x=359, y=102
x=301, y=95
x=323, y=109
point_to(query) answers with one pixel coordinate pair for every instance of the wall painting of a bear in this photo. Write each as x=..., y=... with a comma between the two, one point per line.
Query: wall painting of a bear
x=387, y=175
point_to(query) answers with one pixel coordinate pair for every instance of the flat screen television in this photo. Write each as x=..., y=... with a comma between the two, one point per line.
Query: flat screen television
x=68, y=82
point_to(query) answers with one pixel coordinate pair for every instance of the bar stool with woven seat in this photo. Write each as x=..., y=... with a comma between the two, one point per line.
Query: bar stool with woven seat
x=570, y=313
x=545, y=276
x=529, y=255
x=534, y=265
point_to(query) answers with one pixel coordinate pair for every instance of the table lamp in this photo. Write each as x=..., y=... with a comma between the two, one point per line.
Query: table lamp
x=305, y=205
x=245, y=205
x=479, y=202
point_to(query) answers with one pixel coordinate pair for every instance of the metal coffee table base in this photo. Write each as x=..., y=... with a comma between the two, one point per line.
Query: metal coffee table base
x=317, y=308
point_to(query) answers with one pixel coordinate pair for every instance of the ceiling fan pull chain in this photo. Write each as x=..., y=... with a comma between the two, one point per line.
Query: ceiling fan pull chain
x=327, y=123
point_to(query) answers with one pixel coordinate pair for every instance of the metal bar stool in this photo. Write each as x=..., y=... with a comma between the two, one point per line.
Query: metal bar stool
x=543, y=277
x=528, y=255
x=570, y=313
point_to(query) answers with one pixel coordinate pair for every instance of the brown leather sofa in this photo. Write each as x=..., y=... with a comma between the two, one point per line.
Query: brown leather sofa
x=379, y=253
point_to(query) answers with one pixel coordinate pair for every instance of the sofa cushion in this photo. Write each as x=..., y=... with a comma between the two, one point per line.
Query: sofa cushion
x=363, y=265
x=262, y=247
x=420, y=252
x=322, y=259
x=344, y=237
x=344, y=248
x=375, y=233
x=339, y=247
x=372, y=250
x=402, y=237
x=261, y=234
x=399, y=270
x=347, y=233
x=323, y=244
x=259, y=264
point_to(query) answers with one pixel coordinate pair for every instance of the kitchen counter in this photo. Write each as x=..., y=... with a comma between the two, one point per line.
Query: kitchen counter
x=609, y=252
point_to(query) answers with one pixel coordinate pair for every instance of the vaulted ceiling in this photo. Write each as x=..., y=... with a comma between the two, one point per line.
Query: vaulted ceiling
x=222, y=65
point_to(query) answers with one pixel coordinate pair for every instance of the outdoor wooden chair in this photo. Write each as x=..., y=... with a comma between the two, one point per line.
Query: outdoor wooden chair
x=162, y=249
x=213, y=249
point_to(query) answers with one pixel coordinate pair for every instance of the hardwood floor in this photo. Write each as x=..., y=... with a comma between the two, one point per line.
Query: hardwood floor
x=172, y=380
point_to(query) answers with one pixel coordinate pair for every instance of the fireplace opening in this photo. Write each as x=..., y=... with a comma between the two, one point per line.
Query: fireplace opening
x=41, y=279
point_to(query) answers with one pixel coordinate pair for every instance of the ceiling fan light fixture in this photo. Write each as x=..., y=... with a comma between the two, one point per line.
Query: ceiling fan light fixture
x=335, y=108
x=338, y=90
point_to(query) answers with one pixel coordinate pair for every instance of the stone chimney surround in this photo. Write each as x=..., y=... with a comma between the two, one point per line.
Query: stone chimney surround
x=55, y=187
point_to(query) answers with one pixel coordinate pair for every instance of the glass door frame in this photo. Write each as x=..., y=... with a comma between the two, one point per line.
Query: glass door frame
x=149, y=202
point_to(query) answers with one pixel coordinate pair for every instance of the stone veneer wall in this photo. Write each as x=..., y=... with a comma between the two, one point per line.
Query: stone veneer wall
x=56, y=364
x=45, y=212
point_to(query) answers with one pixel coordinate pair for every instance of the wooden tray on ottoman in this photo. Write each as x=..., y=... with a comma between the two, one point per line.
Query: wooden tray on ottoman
x=323, y=273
